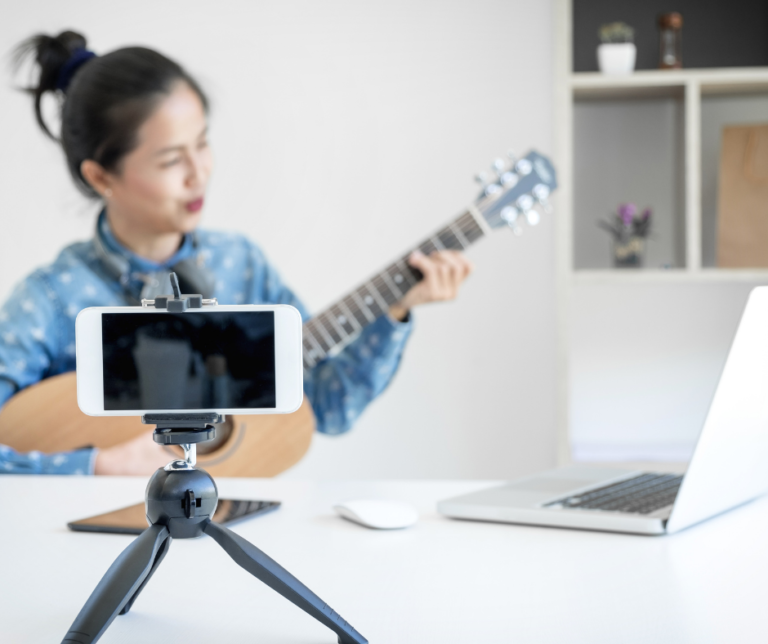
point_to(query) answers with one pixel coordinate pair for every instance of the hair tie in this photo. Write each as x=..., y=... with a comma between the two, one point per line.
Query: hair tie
x=76, y=60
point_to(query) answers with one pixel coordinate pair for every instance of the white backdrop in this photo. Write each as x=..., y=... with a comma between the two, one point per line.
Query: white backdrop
x=344, y=132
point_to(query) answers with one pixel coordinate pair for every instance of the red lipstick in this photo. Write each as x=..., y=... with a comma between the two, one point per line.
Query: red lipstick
x=194, y=206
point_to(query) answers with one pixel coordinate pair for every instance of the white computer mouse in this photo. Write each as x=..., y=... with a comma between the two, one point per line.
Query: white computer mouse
x=378, y=514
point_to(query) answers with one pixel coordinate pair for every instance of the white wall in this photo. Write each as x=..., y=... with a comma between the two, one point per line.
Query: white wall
x=343, y=132
x=645, y=361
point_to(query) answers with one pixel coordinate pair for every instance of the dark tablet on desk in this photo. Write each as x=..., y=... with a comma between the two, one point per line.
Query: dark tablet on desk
x=132, y=520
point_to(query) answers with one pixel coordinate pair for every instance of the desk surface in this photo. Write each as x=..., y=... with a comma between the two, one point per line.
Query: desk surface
x=441, y=581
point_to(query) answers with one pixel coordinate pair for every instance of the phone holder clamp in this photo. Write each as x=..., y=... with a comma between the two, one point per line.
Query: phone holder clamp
x=178, y=303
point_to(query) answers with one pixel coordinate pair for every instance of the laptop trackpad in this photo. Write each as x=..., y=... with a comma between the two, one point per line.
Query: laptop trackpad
x=547, y=484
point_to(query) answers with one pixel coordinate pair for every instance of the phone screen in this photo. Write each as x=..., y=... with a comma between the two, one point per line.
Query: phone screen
x=211, y=360
x=132, y=520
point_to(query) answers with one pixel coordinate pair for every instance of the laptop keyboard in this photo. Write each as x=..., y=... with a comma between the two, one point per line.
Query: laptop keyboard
x=641, y=494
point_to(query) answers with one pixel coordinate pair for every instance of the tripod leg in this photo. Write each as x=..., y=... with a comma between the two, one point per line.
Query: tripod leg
x=119, y=585
x=155, y=564
x=279, y=579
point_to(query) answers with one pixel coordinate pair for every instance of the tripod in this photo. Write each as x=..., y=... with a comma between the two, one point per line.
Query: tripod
x=180, y=501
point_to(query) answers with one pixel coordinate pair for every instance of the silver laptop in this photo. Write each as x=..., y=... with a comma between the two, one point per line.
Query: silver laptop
x=729, y=466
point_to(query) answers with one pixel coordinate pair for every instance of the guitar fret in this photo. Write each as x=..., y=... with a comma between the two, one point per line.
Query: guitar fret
x=324, y=332
x=363, y=307
x=324, y=341
x=407, y=272
x=378, y=299
x=310, y=344
x=424, y=247
x=458, y=234
x=391, y=284
x=386, y=292
x=472, y=231
x=479, y=220
x=331, y=315
x=309, y=353
x=350, y=316
x=342, y=321
x=329, y=324
x=436, y=243
x=448, y=239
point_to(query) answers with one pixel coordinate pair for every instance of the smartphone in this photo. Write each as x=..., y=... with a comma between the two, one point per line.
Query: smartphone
x=228, y=359
x=133, y=519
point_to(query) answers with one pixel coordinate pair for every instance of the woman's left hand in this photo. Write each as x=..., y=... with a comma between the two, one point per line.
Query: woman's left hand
x=444, y=271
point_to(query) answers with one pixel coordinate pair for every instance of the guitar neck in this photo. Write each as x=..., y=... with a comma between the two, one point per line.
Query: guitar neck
x=339, y=323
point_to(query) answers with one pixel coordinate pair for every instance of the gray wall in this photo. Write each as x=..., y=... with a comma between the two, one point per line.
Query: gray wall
x=343, y=132
x=629, y=151
x=715, y=33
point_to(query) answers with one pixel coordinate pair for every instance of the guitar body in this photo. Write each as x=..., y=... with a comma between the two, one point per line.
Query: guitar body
x=45, y=417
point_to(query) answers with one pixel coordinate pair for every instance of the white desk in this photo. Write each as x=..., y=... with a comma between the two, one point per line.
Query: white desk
x=441, y=581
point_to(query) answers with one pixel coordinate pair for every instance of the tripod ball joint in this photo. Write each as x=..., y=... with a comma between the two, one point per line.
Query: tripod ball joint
x=183, y=501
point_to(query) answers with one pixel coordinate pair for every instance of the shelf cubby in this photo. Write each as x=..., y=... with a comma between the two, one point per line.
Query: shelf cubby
x=653, y=137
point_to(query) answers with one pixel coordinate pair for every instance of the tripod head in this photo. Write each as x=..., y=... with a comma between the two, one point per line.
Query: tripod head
x=179, y=496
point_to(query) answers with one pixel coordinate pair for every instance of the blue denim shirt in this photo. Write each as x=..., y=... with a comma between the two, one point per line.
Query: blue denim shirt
x=37, y=330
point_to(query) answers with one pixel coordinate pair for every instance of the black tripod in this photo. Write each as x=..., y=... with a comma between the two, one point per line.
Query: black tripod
x=180, y=502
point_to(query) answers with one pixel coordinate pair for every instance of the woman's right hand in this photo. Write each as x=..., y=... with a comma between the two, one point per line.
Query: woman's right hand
x=139, y=456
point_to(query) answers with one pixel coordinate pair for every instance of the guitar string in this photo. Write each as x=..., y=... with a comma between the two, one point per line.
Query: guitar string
x=465, y=224
x=383, y=287
x=464, y=228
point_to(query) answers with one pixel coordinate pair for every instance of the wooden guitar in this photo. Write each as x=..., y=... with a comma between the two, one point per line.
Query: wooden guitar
x=46, y=417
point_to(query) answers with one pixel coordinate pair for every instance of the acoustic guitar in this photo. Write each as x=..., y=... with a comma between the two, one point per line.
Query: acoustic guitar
x=46, y=417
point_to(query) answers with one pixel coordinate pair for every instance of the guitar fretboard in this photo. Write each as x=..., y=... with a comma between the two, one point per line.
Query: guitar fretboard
x=341, y=322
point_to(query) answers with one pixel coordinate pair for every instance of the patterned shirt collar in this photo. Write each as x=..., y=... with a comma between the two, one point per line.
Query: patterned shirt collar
x=140, y=264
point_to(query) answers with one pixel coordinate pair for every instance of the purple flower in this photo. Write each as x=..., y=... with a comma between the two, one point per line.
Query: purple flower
x=627, y=212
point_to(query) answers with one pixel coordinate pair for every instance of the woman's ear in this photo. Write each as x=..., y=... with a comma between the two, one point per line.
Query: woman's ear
x=97, y=177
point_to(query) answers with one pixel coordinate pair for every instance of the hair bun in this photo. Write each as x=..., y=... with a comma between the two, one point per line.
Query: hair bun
x=67, y=71
x=52, y=54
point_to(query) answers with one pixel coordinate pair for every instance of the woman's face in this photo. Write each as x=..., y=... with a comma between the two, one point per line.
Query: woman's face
x=161, y=185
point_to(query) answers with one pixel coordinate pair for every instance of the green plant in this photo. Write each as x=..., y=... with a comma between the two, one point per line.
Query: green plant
x=616, y=32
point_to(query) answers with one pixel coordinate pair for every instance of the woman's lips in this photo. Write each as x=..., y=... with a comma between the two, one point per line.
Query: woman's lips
x=194, y=206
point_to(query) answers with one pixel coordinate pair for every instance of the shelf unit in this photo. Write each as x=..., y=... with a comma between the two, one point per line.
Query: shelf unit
x=690, y=87
x=688, y=90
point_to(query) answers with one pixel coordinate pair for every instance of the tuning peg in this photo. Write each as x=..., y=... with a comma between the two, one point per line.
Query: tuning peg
x=498, y=166
x=509, y=214
x=508, y=179
x=492, y=189
x=511, y=154
x=524, y=203
x=523, y=167
x=540, y=192
x=532, y=217
x=481, y=178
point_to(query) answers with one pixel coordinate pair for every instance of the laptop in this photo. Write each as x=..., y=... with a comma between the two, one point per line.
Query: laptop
x=729, y=466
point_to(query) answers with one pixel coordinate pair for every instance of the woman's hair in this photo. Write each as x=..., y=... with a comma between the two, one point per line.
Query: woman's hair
x=105, y=98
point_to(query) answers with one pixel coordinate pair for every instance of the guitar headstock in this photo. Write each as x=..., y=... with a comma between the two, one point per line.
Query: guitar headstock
x=518, y=190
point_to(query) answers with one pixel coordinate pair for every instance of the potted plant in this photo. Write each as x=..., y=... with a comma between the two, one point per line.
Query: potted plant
x=629, y=230
x=617, y=52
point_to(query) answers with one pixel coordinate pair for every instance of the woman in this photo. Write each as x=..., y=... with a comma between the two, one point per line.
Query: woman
x=134, y=133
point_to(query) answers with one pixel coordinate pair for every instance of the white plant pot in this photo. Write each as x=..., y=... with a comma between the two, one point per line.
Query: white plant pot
x=616, y=58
